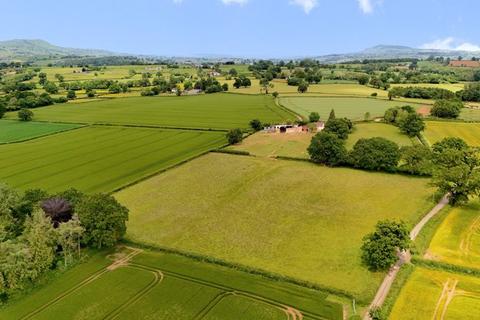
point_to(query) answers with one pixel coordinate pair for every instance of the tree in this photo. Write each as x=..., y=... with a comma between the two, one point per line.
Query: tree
x=366, y=116
x=71, y=94
x=327, y=148
x=339, y=127
x=3, y=109
x=446, y=109
x=303, y=87
x=116, y=88
x=50, y=87
x=103, y=219
x=58, y=210
x=225, y=87
x=363, y=80
x=42, y=76
x=234, y=136
x=377, y=154
x=9, y=199
x=416, y=159
x=69, y=235
x=412, y=125
x=256, y=125
x=25, y=115
x=379, y=248
x=59, y=77
x=275, y=94
x=265, y=85
x=332, y=115
x=314, y=117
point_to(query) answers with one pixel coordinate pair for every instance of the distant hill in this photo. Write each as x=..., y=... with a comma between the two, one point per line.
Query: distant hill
x=394, y=52
x=23, y=50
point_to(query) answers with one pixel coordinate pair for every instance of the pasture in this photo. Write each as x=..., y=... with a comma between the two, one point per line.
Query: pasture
x=288, y=217
x=457, y=240
x=14, y=131
x=371, y=130
x=135, y=284
x=437, y=130
x=430, y=294
x=99, y=158
x=352, y=108
x=218, y=111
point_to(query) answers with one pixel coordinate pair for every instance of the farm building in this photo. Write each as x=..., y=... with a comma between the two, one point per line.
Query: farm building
x=465, y=63
x=294, y=128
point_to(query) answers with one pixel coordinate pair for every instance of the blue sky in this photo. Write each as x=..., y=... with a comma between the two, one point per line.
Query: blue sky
x=257, y=28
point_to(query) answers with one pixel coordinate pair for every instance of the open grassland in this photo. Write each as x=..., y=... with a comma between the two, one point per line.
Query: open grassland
x=471, y=114
x=371, y=130
x=276, y=144
x=438, y=295
x=97, y=159
x=352, y=108
x=437, y=130
x=13, y=131
x=457, y=240
x=133, y=284
x=288, y=217
x=219, y=111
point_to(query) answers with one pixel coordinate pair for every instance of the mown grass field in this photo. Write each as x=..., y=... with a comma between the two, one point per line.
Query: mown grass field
x=150, y=285
x=219, y=111
x=437, y=130
x=13, y=131
x=436, y=295
x=457, y=240
x=371, y=130
x=352, y=108
x=288, y=217
x=99, y=158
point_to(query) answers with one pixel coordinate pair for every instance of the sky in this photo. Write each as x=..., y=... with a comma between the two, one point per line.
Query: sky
x=243, y=28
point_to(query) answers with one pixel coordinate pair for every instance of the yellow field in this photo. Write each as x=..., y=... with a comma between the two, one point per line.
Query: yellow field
x=438, y=295
x=457, y=240
x=437, y=130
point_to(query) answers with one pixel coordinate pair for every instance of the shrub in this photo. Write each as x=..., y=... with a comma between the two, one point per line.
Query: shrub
x=256, y=125
x=327, y=148
x=71, y=95
x=374, y=94
x=25, y=115
x=378, y=154
x=234, y=136
x=314, y=117
x=447, y=109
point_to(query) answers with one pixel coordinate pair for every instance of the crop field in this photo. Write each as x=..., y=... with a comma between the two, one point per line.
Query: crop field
x=437, y=295
x=437, y=130
x=371, y=130
x=276, y=144
x=219, y=111
x=457, y=240
x=260, y=212
x=135, y=284
x=13, y=131
x=352, y=108
x=99, y=158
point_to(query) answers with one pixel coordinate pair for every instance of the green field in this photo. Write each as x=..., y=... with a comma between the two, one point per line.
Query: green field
x=134, y=284
x=457, y=240
x=288, y=217
x=437, y=130
x=352, y=108
x=371, y=130
x=13, y=131
x=219, y=111
x=100, y=158
x=438, y=295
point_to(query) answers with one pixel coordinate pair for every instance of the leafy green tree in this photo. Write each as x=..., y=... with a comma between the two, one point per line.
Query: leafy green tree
x=332, y=115
x=103, y=219
x=314, y=117
x=9, y=199
x=447, y=109
x=69, y=235
x=42, y=76
x=225, y=87
x=256, y=125
x=275, y=94
x=3, y=109
x=71, y=95
x=363, y=80
x=303, y=87
x=327, y=148
x=25, y=115
x=339, y=127
x=50, y=87
x=412, y=125
x=378, y=154
x=379, y=248
x=234, y=136
x=116, y=88
x=59, y=77
x=416, y=160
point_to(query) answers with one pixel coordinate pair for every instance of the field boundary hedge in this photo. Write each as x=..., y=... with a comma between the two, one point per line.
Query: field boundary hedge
x=443, y=266
x=230, y=151
x=248, y=269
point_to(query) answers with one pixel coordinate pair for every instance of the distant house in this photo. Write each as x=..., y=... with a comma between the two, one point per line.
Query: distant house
x=294, y=128
x=464, y=64
x=215, y=74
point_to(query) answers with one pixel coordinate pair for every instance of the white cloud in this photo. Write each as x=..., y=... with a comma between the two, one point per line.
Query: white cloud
x=450, y=43
x=307, y=5
x=240, y=2
x=366, y=6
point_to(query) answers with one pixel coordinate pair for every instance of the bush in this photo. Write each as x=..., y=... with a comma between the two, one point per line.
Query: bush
x=256, y=125
x=25, y=115
x=327, y=148
x=447, y=109
x=374, y=94
x=71, y=95
x=378, y=154
x=314, y=117
x=234, y=136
